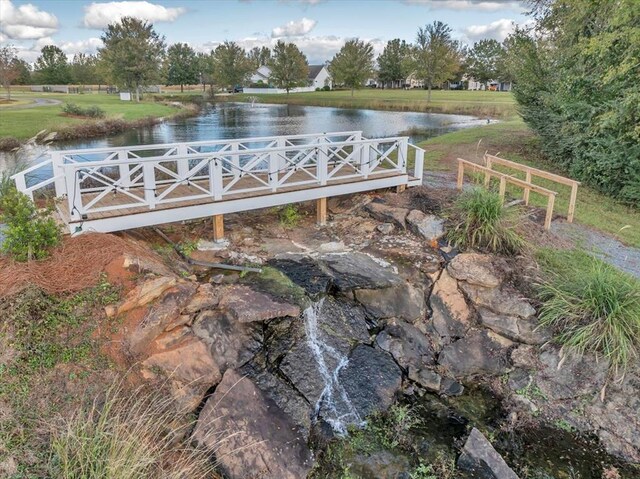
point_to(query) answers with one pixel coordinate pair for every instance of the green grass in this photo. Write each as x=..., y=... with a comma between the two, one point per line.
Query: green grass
x=590, y=305
x=480, y=221
x=23, y=123
x=479, y=103
x=513, y=140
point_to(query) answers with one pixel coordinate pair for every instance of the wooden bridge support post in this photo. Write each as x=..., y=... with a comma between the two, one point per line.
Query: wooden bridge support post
x=218, y=228
x=321, y=209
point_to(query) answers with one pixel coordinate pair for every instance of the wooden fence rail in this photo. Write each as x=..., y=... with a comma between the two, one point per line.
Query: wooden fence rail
x=504, y=179
x=490, y=160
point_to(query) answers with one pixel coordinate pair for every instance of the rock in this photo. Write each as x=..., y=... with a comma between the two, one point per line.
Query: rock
x=204, y=245
x=247, y=305
x=162, y=316
x=477, y=353
x=525, y=356
x=451, y=387
x=500, y=301
x=429, y=227
x=408, y=346
x=143, y=294
x=450, y=313
x=190, y=369
x=402, y=301
x=388, y=214
x=379, y=465
x=370, y=379
x=385, y=228
x=523, y=330
x=474, y=268
x=231, y=342
x=332, y=246
x=249, y=434
x=206, y=297
x=430, y=380
x=482, y=460
x=347, y=203
x=304, y=271
x=145, y=265
x=571, y=377
x=351, y=271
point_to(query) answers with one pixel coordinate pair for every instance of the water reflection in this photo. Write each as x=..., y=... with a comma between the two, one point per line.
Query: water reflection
x=241, y=120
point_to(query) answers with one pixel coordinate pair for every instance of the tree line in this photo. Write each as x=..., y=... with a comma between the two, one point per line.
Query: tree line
x=135, y=55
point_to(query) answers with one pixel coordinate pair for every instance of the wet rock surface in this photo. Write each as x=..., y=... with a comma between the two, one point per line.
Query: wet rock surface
x=482, y=460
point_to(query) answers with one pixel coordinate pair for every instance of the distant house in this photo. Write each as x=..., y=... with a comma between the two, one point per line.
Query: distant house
x=319, y=76
x=491, y=85
x=261, y=75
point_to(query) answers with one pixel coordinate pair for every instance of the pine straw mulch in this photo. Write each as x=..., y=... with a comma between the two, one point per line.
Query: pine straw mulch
x=73, y=266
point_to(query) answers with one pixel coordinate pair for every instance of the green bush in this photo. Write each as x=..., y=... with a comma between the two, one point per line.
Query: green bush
x=30, y=233
x=479, y=220
x=590, y=305
x=289, y=216
x=92, y=111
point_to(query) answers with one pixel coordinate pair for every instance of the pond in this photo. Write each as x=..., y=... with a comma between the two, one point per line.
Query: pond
x=242, y=120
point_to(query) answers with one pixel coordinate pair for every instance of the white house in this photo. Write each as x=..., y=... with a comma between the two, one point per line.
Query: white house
x=319, y=76
x=261, y=75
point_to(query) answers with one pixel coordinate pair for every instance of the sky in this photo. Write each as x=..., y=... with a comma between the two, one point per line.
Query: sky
x=318, y=27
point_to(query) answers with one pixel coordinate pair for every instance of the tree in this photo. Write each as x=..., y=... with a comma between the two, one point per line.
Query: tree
x=205, y=70
x=289, y=66
x=182, y=65
x=576, y=87
x=485, y=60
x=436, y=55
x=84, y=69
x=52, y=67
x=353, y=64
x=231, y=66
x=9, y=68
x=24, y=78
x=393, y=65
x=133, y=52
x=259, y=56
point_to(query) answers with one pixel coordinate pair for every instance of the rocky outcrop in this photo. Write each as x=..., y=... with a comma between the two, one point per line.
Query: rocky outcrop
x=428, y=227
x=474, y=268
x=247, y=306
x=451, y=315
x=479, y=352
x=499, y=300
x=402, y=301
x=142, y=295
x=388, y=214
x=522, y=330
x=407, y=344
x=249, y=434
x=481, y=460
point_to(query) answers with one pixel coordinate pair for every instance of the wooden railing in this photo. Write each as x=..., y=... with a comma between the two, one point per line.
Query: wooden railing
x=490, y=160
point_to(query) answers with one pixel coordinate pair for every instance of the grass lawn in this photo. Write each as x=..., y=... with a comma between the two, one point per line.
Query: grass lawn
x=514, y=141
x=25, y=122
x=478, y=103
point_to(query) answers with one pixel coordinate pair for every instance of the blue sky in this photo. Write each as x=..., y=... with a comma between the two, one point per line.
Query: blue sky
x=319, y=27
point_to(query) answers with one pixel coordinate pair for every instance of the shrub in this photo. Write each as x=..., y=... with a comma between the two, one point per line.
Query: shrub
x=30, y=233
x=590, y=305
x=92, y=111
x=129, y=436
x=289, y=216
x=326, y=88
x=479, y=220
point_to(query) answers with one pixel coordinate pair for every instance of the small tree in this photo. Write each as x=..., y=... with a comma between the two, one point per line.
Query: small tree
x=485, y=59
x=133, y=52
x=289, y=67
x=231, y=66
x=182, y=65
x=353, y=64
x=9, y=68
x=52, y=67
x=205, y=70
x=259, y=56
x=436, y=55
x=393, y=63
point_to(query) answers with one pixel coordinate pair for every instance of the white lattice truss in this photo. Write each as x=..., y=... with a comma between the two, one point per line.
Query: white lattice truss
x=105, y=187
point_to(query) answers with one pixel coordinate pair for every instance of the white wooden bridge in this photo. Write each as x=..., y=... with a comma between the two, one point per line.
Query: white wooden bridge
x=113, y=189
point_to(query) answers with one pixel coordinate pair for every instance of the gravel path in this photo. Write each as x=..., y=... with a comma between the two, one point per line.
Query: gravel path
x=36, y=103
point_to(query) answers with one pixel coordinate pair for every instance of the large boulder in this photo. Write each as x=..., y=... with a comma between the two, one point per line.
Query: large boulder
x=247, y=305
x=406, y=343
x=479, y=352
x=451, y=315
x=499, y=300
x=429, y=227
x=388, y=214
x=142, y=295
x=351, y=271
x=370, y=379
x=401, y=301
x=304, y=271
x=249, y=434
x=481, y=460
x=523, y=330
x=474, y=268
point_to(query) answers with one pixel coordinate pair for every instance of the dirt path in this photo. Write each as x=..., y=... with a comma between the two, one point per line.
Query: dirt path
x=37, y=102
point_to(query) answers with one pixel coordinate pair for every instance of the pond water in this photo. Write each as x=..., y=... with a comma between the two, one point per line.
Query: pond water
x=242, y=120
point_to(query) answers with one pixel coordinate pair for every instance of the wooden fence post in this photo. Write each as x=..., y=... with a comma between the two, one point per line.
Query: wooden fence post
x=572, y=202
x=503, y=187
x=487, y=175
x=547, y=219
x=460, y=174
x=525, y=197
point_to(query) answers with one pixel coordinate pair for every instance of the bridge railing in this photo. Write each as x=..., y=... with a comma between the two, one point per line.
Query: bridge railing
x=151, y=182
x=51, y=169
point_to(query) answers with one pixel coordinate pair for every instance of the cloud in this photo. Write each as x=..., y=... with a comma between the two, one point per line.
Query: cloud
x=294, y=28
x=99, y=15
x=487, y=6
x=26, y=22
x=498, y=30
x=90, y=45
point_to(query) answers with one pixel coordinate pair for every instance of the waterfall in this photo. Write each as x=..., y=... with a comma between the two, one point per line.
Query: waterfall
x=334, y=405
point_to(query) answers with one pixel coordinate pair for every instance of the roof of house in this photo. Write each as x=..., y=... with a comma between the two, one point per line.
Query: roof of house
x=314, y=70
